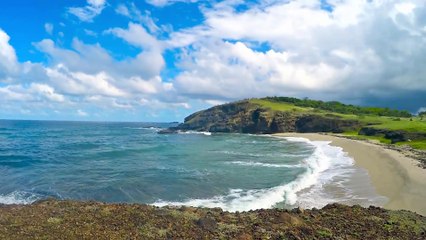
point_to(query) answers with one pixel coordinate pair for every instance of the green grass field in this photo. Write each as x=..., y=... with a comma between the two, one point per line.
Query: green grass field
x=275, y=106
x=414, y=124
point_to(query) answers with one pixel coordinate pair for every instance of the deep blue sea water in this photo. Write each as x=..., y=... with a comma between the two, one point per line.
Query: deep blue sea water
x=130, y=162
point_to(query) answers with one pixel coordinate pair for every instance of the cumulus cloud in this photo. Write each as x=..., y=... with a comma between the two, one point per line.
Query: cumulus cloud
x=85, y=76
x=298, y=48
x=88, y=12
x=93, y=58
x=352, y=50
x=137, y=36
x=8, y=60
x=35, y=92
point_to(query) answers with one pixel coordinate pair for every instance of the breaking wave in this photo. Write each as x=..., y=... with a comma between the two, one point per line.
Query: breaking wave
x=323, y=158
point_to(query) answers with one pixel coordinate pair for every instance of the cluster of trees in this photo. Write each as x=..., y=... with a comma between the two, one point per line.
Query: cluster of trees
x=338, y=107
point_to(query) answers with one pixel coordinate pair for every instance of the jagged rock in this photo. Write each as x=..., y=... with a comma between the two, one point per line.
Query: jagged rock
x=167, y=131
x=207, y=223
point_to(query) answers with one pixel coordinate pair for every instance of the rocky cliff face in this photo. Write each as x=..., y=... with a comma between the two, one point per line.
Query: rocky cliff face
x=246, y=117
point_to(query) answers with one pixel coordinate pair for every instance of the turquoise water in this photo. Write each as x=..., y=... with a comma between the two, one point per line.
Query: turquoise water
x=130, y=162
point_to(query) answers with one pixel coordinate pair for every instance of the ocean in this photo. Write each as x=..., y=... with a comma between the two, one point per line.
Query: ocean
x=132, y=163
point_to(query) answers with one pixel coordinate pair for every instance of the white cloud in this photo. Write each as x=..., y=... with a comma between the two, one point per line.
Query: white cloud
x=93, y=59
x=123, y=10
x=358, y=47
x=88, y=12
x=133, y=13
x=14, y=93
x=85, y=76
x=35, y=92
x=162, y=3
x=82, y=113
x=90, y=33
x=48, y=27
x=80, y=83
x=137, y=36
x=46, y=91
x=8, y=59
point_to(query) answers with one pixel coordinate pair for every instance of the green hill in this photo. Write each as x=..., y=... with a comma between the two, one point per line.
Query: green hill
x=283, y=114
x=381, y=119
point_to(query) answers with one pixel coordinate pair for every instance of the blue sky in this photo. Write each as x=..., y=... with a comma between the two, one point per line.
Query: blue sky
x=160, y=60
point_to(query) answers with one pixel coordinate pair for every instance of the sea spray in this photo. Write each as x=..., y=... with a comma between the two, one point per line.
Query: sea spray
x=19, y=197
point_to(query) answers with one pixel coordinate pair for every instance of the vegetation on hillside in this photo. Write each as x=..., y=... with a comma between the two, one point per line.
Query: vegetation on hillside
x=382, y=119
x=54, y=219
x=339, y=107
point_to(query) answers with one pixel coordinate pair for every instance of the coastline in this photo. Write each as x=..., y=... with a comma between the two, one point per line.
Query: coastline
x=393, y=175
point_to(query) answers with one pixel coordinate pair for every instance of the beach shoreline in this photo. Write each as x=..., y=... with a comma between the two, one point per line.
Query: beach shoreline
x=393, y=175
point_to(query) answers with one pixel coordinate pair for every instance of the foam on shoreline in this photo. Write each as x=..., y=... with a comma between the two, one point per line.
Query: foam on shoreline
x=392, y=174
x=19, y=197
x=323, y=158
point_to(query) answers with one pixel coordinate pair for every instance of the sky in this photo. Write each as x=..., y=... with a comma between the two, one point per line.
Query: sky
x=160, y=60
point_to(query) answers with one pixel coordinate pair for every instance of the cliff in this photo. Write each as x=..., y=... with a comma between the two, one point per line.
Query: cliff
x=248, y=117
x=281, y=114
x=54, y=219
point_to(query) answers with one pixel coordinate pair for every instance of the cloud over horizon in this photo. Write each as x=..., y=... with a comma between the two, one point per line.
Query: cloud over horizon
x=362, y=52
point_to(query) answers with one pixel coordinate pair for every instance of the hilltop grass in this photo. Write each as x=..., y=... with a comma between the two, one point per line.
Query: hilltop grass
x=413, y=124
x=276, y=106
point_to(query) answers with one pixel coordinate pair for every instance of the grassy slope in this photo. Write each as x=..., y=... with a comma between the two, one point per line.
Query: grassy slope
x=406, y=124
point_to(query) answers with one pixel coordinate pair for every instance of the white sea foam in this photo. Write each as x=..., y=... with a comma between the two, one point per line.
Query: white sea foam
x=195, y=132
x=269, y=154
x=323, y=158
x=144, y=128
x=19, y=197
x=260, y=164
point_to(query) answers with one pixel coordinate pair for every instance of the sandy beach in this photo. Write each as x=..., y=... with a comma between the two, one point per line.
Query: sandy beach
x=392, y=174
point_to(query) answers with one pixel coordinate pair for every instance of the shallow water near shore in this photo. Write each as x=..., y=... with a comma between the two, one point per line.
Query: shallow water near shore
x=130, y=162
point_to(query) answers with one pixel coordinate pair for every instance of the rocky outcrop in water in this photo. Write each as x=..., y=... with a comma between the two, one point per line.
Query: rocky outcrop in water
x=246, y=117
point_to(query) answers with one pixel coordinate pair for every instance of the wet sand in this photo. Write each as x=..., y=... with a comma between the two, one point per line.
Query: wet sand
x=392, y=174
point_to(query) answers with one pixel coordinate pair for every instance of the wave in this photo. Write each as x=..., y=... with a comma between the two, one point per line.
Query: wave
x=269, y=154
x=323, y=158
x=145, y=128
x=19, y=197
x=195, y=132
x=260, y=164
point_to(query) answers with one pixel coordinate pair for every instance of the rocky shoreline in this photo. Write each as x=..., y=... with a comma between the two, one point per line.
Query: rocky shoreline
x=54, y=219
